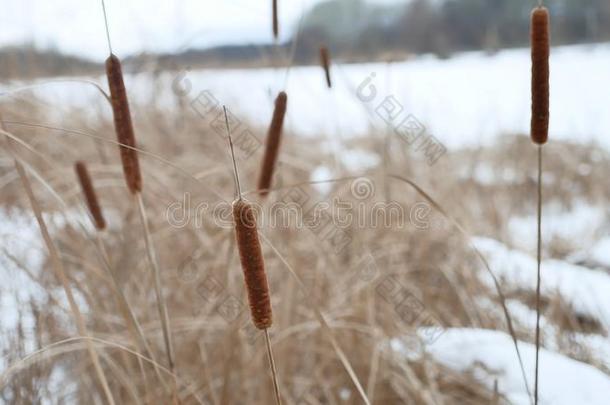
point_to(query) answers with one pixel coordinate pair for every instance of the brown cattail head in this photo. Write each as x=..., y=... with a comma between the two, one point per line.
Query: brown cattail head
x=252, y=263
x=90, y=196
x=325, y=62
x=276, y=24
x=123, y=125
x=272, y=145
x=540, y=42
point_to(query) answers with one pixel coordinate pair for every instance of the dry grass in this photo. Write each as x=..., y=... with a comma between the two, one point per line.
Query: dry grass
x=219, y=355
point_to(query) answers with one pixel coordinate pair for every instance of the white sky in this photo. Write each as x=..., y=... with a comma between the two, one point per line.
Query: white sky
x=76, y=26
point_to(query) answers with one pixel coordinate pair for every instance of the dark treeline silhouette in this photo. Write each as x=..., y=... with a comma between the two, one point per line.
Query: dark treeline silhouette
x=26, y=62
x=356, y=31
x=355, y=28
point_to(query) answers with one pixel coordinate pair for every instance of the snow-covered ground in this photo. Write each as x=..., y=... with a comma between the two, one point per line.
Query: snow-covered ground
x=491, y=355
x=582, y=220
x=587, y=291
x=469, y=99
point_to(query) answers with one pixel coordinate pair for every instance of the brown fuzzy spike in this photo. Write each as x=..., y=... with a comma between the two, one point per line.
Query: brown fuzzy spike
x=325, y=62
x=252, y=263
x=123, y=125
x=90, y=196
x=540, y=43
x=272, y=145
x=276, y=24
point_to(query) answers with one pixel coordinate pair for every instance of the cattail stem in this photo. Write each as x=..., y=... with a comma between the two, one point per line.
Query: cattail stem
x=325, y=62
x=161, y=304
x=154, y=265
x=235, y=171
x=538, y=278
x=272, y=144
x=276, y=386
x=540, y=43
x=107, y=29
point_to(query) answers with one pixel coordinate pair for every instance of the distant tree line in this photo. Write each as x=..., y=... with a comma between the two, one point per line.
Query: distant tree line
x=26, y=62
x=355, y=28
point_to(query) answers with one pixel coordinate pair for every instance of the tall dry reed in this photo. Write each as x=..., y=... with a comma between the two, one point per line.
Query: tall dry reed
x=133, y=178
x=540, y=46
x=253, y=264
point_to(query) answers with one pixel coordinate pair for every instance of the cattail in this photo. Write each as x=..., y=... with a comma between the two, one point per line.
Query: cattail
x=253, y=265
x=276, y=24
x=123, y=124
x=325, y=61
x=272, y=146
x=90, y=196
x=540, y=42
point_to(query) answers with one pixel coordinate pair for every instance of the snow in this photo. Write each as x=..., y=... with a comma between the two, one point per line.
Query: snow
x=21, y=246
x=21, y=249
x=586, y=290
x=563, y=381
x=600, y=252
x=468, y=100
x=581, y=219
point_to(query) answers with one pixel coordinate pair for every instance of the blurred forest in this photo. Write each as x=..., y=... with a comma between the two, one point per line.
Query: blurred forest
x=355, y=27
x=357, y=31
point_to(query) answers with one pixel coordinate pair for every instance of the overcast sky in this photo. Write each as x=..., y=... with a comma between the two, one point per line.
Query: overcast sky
x=76, y=26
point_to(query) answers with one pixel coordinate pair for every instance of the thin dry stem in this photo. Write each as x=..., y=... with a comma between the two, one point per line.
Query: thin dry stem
x=156, y=273
x=60, y=273
x=276, y=386
x=134, y=327
x=538, y=263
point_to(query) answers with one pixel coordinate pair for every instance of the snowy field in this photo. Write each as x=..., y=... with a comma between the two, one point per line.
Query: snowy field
x=467, y=100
